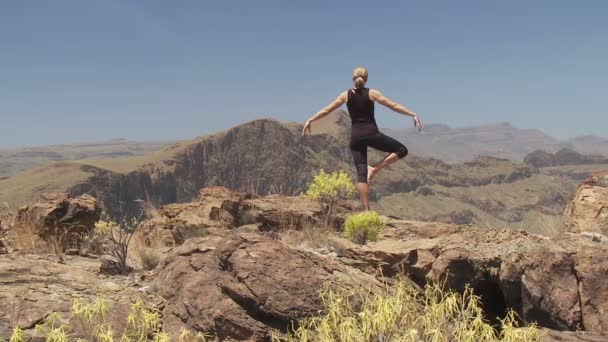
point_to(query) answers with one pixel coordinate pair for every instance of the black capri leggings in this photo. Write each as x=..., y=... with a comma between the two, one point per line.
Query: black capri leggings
x=378, y=141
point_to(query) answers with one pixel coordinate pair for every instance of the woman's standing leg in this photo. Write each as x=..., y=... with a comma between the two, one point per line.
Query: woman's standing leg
x=359, y=151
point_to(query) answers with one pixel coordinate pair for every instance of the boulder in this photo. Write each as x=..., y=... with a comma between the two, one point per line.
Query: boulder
x=588, y=210
x=57, y=214
x=239, y=286
x=559, y=283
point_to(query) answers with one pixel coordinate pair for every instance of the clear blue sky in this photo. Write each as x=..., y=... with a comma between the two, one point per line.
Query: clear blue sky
x=86, y=70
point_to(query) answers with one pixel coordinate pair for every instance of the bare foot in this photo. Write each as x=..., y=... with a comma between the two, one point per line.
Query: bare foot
x=371, y=172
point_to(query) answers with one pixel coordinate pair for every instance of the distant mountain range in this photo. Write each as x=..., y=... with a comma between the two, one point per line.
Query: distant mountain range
x=501, y=140
x=13, y=161
x=452, y=145
x=266, y=156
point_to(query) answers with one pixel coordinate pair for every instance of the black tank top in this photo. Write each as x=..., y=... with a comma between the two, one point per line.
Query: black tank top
x=361, y=111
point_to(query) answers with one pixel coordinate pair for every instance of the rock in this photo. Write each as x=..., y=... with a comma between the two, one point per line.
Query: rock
x=562, y=284
x=33, y=286
x=56, y=214
x=571, y=336
x=595, y=237
x=239, y=286
x=588, y=210
x=219, y=208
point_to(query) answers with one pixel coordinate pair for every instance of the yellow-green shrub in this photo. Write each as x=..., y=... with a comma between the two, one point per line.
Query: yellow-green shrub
x=363, y=227
x=330, y=187
x=402, y=314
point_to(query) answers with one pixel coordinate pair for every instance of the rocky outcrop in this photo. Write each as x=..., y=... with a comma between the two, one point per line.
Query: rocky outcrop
x=32, y=287
x=588, y=210
x=218, y=208
x=239, y=280
x=239, y=286
x=559, y=283
x=56, y=214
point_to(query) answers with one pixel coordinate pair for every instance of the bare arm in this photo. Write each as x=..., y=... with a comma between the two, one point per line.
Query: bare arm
x=377, y=96
x=340, y=100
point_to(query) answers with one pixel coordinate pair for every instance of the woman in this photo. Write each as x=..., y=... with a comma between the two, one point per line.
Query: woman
x=364, y=131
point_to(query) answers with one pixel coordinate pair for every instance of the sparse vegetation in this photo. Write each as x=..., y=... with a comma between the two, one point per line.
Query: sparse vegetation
x=119, y=236
x=363, y=227
x=24, y=236
x=402, y=314
x=551, y=224
x=329, y=188
x=143, y=324
x=146, y=248
x=18, y=335
x=308, y=236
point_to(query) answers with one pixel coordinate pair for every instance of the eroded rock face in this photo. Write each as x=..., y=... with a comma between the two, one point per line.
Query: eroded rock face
x=241, y=285
x=221, y=208
x=57, y=214
x=562, y=284
x=34, y=286
x=588, y=210
x=558, y=283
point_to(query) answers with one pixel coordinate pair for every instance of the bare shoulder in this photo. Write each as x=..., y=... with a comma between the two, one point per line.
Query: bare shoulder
x=374, y=94
x=343, y=96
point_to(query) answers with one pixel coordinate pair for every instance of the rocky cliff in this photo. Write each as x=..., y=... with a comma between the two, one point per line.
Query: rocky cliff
x=266, y=156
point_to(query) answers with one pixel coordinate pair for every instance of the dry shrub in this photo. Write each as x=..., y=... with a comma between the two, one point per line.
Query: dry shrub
x=119, y=236
x=401, y=314
x=25, y=231
x=309, y=236
x=24, y=235
x=146, y=247
x=552, y=226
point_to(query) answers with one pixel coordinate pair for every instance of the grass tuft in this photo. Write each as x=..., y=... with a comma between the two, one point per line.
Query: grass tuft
x=402, y=314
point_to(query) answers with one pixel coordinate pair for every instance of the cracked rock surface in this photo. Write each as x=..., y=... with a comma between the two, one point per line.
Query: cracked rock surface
x=560, y=283
x=239, y=286
x=34, y=286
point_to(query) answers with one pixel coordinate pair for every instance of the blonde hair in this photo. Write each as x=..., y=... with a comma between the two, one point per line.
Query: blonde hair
x=360, y=77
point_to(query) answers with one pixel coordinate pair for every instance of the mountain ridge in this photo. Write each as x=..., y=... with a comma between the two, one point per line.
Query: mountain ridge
x=502, y=140
x=267, y=156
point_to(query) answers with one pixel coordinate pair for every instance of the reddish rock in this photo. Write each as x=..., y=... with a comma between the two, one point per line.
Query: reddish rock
x=588, y=210
x=219, y=208
x=60, y=214
x=239, y=286
x=559, y=283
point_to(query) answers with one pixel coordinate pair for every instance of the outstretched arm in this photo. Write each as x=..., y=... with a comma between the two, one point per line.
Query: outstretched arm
x=377, y=96
x=340, y=100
